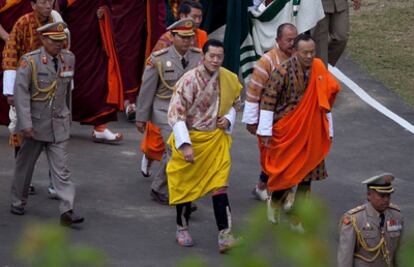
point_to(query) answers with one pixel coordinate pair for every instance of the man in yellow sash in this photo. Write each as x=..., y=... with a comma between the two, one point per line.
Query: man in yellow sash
x=202, y=114
x=294, y=126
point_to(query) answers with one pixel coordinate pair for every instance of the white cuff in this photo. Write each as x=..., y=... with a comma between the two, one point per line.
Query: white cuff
x=181, y=134
x=265, y=123
x=231, y=117
x=250, y=113
x=330, y=120
x=72, y=84
x=9, y=77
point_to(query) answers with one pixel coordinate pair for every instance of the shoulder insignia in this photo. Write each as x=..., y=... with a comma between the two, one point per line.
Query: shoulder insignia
x=346, y=220
x=357, y=209
x=34, y=52
x=149, y=64
x=23, y=64
x=195, y=49
x=160, y=52
x=394, y=207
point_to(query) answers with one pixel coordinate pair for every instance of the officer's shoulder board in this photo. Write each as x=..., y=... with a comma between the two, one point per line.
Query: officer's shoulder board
x=346, y=219
x=356, y=209
x=32, y=53
x=394, y=207
x=160, y=52
x=195, y=49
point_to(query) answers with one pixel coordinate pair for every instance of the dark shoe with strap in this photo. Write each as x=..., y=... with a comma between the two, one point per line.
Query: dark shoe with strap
x=68, y=218
x=17, y=210
x=159, y=197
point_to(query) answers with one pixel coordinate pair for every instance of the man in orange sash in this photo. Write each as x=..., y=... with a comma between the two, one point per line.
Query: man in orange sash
x=294, y=127
x=286, y=34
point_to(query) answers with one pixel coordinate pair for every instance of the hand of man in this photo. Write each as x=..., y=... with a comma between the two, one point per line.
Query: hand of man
x=28, y=132
x=188, y=152
x=357, y=4
x=10, y=100
x=265, y=141
x=222, y=123
x=100, y=13
x=251, y=128
x=140, y=126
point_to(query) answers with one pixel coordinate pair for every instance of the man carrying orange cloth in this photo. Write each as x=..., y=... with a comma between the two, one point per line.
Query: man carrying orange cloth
x=162, y=71
x=152, y=145
x=293, y=125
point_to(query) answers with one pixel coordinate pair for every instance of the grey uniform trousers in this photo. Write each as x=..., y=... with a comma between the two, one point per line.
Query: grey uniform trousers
x=57, y=157
x=331, y=35
x=160, y=119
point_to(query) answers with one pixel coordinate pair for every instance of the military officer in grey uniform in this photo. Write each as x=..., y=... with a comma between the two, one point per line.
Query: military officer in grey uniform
x=43, y=100
x=331, y=33
x=370, y=233
x=164, y=68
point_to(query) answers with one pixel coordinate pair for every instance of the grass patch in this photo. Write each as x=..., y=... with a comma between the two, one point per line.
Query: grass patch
x=382, y=41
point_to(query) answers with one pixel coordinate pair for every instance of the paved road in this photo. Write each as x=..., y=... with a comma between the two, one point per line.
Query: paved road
x=132, y=230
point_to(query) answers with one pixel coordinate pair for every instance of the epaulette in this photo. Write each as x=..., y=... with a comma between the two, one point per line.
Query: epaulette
x=357, y=209
x=195, y=49
x=34, y=52
x=394, y=207
x=160, y=52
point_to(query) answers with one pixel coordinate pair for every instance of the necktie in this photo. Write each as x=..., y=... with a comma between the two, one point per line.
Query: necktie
x=382, y=220
x=184, y=63
x=55, y=62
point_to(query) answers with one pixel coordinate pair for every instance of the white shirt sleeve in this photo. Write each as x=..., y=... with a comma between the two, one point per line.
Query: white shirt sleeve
x=265, y=123
x=9, y=78
x=181, y=134
x=330, y=120
x=250, y=113
x=231, y=117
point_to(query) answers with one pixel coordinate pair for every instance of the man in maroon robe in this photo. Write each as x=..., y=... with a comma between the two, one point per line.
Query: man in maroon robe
x=138, y=25
x=93, y=89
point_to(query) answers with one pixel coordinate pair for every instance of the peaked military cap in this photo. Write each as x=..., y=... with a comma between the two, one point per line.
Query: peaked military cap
x=381, y=183
x=183, y=27
x=55, y=30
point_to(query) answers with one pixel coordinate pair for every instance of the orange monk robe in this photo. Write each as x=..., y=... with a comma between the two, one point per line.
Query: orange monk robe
x=300, y=140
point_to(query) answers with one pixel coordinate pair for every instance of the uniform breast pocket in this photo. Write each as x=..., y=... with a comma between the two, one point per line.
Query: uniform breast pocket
x=371, y=237
x=171, y=77
x=394, y=234
x=44, y=83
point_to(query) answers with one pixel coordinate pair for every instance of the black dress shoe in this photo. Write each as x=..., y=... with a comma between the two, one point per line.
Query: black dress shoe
x=159, y=197
x=68, y=218
x=17, y=210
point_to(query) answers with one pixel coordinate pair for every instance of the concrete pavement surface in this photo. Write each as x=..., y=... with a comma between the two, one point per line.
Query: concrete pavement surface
x=133, y=230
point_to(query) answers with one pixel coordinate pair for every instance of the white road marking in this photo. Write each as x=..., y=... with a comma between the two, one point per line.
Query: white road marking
x=369, y=100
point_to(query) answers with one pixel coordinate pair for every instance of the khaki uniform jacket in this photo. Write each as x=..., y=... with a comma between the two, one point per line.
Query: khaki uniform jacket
x=50, y=117
x=154, y=96
x=368, y=223
x=332, y=6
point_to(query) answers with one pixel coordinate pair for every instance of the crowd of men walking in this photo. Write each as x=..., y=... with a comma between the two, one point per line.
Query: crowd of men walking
x=185, y=105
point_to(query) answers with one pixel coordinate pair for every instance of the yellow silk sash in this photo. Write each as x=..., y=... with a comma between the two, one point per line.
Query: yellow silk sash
x=230, y=88
x=209, y=172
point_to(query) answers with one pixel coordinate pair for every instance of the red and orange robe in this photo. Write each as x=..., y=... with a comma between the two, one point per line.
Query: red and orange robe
x=293, y=112
x=98, y=92
x=137, y=27
x=10, y=12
